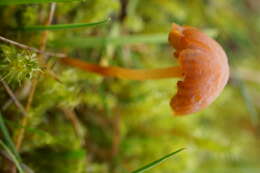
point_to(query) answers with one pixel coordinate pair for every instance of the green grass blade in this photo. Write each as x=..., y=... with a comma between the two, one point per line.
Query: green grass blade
x=156, y=162
x=102, y=41
x=7, y=137
x=9, y=147
x=62, y=26
x=14, y=2
x=247, y=99
x=12, y=156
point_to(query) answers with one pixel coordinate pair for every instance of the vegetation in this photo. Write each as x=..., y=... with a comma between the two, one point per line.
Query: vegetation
x=63, y=120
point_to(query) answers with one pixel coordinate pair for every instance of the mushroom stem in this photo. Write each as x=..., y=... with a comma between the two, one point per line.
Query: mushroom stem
x=124, y=73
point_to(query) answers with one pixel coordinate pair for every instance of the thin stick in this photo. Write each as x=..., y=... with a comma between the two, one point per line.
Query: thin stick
x=33, y=49
x=13, y=97
x=24, y=122
x=35, y=81
x=44, y=35
x=116, y=140
x=72, y=117
x=23, y=111
x=19, y=94
x=20, y=136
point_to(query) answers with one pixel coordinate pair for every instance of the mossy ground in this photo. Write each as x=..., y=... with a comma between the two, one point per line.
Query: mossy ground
x=86, y=123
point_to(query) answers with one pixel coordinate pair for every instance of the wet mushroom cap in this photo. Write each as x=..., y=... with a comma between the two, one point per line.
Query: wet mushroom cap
x=205, y=69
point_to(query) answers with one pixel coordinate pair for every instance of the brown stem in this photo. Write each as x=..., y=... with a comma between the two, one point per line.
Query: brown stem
x=72, y=117
x=33, y=49
x=24, y=122
x=124, y=73
x=20, y=134
x=13, y=97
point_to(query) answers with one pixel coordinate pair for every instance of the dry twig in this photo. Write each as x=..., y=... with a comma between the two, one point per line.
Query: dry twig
x=24, y=122
x=13, y=97
x=33, y=49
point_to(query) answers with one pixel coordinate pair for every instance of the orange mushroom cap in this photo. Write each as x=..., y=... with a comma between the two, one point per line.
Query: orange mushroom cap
x=205, y=68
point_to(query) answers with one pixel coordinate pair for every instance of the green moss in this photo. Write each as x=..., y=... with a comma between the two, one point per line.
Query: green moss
x=127, y=124
x=17, y=66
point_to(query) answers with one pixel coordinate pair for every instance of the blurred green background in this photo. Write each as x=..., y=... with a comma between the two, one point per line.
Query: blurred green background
x=87, y=123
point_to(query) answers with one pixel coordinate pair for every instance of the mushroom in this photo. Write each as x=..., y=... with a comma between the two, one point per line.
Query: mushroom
x=204, y=69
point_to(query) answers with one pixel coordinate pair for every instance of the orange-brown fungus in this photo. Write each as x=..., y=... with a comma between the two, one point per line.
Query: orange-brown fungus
x=205, y=67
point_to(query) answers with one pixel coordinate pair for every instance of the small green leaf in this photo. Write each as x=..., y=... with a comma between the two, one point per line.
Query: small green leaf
x=13, y=2
x=62, y=26
x=156, y=162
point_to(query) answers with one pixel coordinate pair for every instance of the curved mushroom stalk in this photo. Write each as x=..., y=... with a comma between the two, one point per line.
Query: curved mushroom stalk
x=203, y=68
x=125, y=73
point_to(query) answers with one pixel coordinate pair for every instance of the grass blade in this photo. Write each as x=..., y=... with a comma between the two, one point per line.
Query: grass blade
x=12, y=156
x=156, y=162
x=247, y=99
x=7, y=137
x=14, y=2
x=102, y=41
x=62, y=26
x=9, y=147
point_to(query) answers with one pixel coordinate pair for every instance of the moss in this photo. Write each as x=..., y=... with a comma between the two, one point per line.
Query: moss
x=17, y=65
x=127, y=124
